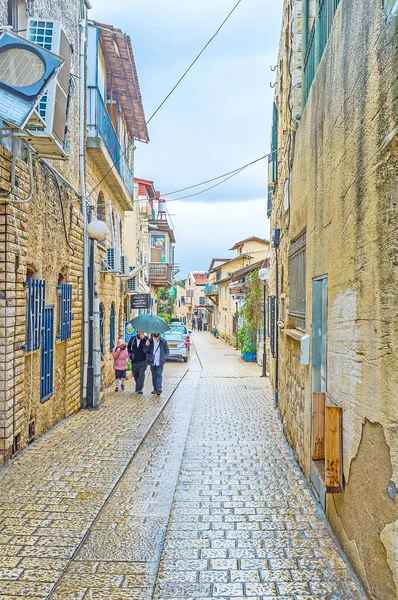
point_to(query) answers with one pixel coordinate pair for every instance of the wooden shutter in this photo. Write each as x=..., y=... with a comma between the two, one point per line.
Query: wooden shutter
x=333, y=450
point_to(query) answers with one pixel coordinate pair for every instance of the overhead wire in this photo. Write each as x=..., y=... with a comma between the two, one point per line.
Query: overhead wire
x=168, y=95
x=218, y=177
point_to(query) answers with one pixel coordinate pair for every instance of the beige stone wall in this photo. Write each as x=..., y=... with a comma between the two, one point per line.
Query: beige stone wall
x=111, y=289
x=344, y=194
x=32, y=237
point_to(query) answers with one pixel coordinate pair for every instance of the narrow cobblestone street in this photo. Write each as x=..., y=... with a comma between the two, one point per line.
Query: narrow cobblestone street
x=192, y=496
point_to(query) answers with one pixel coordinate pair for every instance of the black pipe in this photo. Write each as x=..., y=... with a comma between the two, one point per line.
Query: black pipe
x=276, y=326
x=90, y=370
x=265, y=333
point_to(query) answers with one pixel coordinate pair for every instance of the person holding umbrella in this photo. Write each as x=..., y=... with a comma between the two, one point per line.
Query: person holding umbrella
x=138, y=349
x=150, y=324
x=158, y=353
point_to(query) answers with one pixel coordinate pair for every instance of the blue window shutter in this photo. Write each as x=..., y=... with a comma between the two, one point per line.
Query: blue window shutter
x=47, y=354
x=65, y=330
x=112, y=327
x=101, y=319
x=36, y=292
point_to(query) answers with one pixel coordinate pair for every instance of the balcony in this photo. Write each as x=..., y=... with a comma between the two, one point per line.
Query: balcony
x=104, y=148
x=211, y=289
x=160, y=274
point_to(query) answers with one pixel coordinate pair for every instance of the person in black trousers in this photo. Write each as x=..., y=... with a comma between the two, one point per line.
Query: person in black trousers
x=138, y=348
x=158, y=351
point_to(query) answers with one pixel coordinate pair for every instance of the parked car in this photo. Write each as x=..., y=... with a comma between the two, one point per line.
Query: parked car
x=178, y=346
x=181, y=328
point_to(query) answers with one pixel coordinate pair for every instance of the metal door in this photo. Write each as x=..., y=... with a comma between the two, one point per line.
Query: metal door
x=319, y=333
x=319, y=363
x=47, y=354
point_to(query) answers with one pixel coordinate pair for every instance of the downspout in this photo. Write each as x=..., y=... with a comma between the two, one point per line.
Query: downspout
x=304, y=38
x=82, y=157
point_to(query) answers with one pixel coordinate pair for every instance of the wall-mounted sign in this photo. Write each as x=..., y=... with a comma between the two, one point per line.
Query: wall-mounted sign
x=129, y=331
x=140, y=301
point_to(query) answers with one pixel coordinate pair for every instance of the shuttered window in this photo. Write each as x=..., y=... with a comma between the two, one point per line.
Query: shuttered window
x=65, y=311
x=297, y=287
x=36, y=292
x=112, y=327
x=47, y=354
x=101, y=325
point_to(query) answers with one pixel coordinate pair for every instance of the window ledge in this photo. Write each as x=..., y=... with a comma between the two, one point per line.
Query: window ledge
x=296, y=334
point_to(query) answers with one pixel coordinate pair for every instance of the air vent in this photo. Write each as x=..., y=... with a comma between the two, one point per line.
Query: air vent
x=124, y=264
x=113, y=259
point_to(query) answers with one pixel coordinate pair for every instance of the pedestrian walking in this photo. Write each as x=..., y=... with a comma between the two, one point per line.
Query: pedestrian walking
x=200, y=324
x=138, y=349
x=158, y=353
x=193, y=324
x=120, y=357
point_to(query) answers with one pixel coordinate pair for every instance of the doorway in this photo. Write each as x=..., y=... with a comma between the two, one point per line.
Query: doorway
x=319, y=383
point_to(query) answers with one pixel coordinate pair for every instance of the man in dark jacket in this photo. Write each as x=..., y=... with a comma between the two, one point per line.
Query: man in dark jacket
x=138, y=348
x=159, y=350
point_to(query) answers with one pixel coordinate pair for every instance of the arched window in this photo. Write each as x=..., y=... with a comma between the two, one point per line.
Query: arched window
x=112, y=326
x=101, y=207
x=101, y=328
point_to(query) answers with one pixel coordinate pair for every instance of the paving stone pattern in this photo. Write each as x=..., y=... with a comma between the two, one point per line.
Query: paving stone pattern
x=244, y=524
x=51, y=494
x=197, y=498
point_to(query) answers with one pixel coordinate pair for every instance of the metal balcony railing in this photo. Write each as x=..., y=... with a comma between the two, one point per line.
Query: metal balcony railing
x=160, y=274
x=100, y=125
x=317, y=41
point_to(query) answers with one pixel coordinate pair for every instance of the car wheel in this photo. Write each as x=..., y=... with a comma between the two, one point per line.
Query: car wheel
x=185, y=359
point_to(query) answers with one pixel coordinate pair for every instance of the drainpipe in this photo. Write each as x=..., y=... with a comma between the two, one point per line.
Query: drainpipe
x=276, y=327
x=317, y=40
x=82, y=158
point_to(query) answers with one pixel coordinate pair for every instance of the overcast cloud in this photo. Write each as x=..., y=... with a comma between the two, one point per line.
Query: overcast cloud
x=218, y=118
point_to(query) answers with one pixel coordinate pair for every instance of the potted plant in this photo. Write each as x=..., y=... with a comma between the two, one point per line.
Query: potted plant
x=247, y=343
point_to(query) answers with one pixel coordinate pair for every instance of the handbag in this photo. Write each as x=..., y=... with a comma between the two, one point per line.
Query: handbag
x=150, y=357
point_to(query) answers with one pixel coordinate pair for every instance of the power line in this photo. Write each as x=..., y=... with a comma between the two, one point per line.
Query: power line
x=195, y=60
x=207, y=189
x=168, y=95
x=219, y=176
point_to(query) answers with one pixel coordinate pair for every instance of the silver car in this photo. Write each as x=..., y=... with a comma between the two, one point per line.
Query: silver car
x=178, y=346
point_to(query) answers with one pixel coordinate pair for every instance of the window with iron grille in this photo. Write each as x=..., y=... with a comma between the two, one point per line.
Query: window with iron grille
x=297, y=288
x=36, y=293
x=101, y=326
x=112, y=327
x=64, y=311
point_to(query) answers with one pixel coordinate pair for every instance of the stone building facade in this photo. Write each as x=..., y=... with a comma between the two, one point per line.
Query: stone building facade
x=115, y=119
x=41, y=240
x=333, y=197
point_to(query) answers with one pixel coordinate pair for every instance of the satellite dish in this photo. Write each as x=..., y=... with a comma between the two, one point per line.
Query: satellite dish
x=25, y=71
x=263, y=274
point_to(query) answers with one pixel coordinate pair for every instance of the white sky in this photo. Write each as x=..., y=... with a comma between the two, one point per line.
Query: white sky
x=218, y=119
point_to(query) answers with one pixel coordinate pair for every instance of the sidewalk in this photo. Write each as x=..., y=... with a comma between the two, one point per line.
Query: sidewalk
x=50, y=495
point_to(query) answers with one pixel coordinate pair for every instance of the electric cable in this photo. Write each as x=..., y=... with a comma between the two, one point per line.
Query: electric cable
x=206, y=189
x=62, y=206
x=219, y=176
x=169, y=94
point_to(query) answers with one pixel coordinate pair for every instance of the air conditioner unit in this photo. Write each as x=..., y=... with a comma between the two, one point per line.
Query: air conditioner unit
x=113, y=259
x=50, y=141
x=124, y=264
x=131, y=285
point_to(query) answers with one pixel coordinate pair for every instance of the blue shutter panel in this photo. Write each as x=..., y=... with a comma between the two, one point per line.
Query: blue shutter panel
x=36, y=290
x=47, y=354
x=66, y=311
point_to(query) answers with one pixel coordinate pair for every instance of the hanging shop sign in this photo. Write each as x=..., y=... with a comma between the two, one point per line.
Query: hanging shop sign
x=138, y=301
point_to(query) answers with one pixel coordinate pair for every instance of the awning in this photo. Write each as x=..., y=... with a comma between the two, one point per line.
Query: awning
x=122, y=77
x=243, y=272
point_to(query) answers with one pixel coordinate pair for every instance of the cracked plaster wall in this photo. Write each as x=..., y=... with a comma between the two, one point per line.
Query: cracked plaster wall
x=344, y=186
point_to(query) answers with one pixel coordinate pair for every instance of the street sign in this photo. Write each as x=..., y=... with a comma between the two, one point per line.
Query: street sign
x=140, y=301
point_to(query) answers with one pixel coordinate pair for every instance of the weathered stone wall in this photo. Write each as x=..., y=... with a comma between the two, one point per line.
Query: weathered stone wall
x=110, y=288
x=32, y=238
x=344, y=193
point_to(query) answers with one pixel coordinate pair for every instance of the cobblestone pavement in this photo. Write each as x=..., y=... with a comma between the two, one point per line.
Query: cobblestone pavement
x=51, y=494
x=197, y=497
